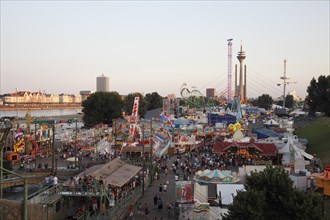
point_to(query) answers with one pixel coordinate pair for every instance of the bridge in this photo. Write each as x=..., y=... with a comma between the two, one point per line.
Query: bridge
x=36, y=177
x=32, y=178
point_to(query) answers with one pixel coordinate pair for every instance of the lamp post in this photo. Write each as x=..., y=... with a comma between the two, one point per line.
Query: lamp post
x=143, y=158
x=75, y=146
x=114, y=136
x=151, y=141
x=35, y=139
x=53, y=150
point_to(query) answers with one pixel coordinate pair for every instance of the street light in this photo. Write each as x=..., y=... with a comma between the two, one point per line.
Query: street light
x=115, y=137
x=53, y=150
x=144, y=160
x=35, y=139
x=151, y=166
x=75, y=146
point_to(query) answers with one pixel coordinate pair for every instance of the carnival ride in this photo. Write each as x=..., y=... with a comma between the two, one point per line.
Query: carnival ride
x=133, y=119
x=216, y=176
x=236, y=108
x=195, y=98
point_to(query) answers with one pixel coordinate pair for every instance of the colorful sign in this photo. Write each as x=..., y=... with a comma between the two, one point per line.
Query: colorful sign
x=184, y=191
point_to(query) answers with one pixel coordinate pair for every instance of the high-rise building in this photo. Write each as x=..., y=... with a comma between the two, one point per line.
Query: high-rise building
x=85, y=94
x=210, y=92
x=102, y=84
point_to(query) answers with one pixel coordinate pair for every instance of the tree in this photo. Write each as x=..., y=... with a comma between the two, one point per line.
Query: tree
x=289, y=101
x=129, y=101
x=265, y=101
x=102, y=107
x=270, y=195
x=318, y=98
x=253, y=101
x=153, y=100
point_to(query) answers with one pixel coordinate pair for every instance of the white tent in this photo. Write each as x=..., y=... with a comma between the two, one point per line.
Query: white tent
x=238, y=135
x=272, y=122
x=228, y=192
x=307, y=155
x=72, y=159
x=103, y=146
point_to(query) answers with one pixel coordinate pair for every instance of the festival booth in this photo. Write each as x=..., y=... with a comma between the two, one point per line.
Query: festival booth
x=259, y=152
x=12, y=156
x=135, y=151
x=115, y=179
x=115, y=173
x=323, y=180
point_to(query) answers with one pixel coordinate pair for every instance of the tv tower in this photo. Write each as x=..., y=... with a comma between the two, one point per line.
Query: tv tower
x=240, y=90
x=229, y=71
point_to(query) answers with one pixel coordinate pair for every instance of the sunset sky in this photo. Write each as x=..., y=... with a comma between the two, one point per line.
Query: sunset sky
x=147, y=46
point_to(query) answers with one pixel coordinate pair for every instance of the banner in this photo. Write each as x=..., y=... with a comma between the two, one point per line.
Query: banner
x=184, y=191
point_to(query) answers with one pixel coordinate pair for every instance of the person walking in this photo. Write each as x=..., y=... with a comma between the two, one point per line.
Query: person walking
x=160, y=204
x=47, y=180
x=55, y=182
x=164, y=187
x=72, y=185
x=155, y=201
x=94, y=204
x=146, y=210
x=139, y=209
x=160, y=189
x=131, y=211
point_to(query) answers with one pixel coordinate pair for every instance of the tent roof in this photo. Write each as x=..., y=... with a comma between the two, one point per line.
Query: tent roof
x=265, y=148
x=217, y=173
x=116, y=172
x=272, y=122
x=126, y=149
x=182, y=121
x=324, y=176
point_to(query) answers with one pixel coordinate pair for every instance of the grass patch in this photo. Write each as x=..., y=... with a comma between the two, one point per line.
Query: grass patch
x=317, y=133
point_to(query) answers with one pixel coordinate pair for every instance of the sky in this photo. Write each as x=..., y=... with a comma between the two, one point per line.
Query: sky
x=157, y=46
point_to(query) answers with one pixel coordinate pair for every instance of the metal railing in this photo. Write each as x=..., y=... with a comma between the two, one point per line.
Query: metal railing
x=43, y=195
x=123, y=203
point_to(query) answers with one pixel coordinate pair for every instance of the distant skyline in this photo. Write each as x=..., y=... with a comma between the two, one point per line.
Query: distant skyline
x=156, y=46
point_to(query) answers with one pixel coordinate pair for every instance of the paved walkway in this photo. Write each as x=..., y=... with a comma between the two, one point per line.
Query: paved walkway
x=153, y=190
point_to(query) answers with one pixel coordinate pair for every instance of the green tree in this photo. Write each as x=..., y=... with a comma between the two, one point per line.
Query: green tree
x=153, y=100
x=129, y=101
x=270, y=195
x=253, y=101
x=102, y=107
x=289, y=102
x=318, y=98
x=265, y=101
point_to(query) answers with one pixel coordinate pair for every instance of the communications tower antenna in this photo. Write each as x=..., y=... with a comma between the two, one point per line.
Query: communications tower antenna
x=285, y=82
x=229, y=70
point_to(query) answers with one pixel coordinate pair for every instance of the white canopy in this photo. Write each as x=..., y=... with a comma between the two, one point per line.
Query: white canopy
x=72, y=159
x=271, y=122
x=307, y=155
x=228, y=192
